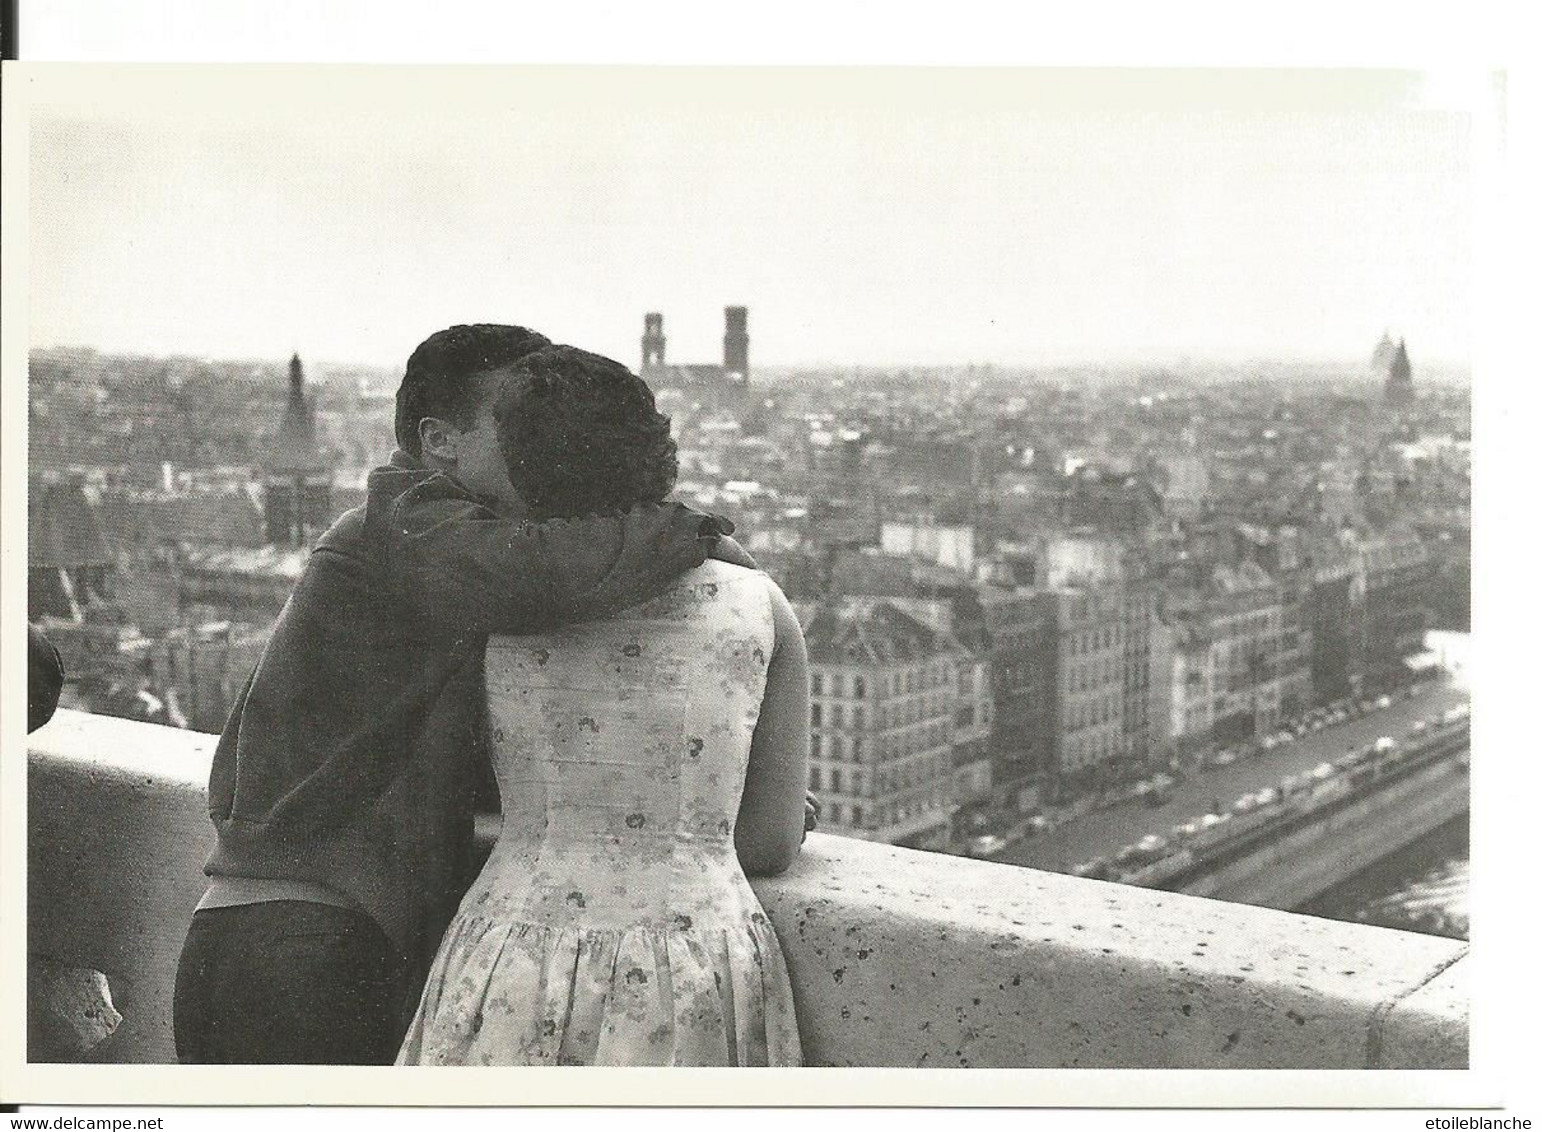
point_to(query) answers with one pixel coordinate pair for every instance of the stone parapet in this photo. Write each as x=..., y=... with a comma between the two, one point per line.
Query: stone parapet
x=898, y=958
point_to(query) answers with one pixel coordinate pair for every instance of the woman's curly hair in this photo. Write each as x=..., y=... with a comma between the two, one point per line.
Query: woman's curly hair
x=581, y=435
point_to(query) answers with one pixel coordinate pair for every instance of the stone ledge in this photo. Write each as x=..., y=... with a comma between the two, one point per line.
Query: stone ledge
x=1002, y=966
x=1426, y=1029
x=898, y=958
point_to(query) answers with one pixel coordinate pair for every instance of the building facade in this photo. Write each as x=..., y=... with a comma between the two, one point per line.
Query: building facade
x=883, y=712
x=1397, y=571
x=1335, y=613
x=1240, y=665
x=1018, y=745
x=1081, y=655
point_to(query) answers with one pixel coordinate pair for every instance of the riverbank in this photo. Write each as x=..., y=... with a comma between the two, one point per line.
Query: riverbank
x=1422, y=887
x=1104, y=832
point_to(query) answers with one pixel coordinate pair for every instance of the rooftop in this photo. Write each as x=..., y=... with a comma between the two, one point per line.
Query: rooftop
x=878, y=633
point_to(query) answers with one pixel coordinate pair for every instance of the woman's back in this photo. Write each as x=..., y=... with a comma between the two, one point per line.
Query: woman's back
x=620, y=749
x=612, y=923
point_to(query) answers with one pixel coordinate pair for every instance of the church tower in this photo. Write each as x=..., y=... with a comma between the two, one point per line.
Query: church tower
x=736, y=345
x=1400, y=391
x=296, y=482
x=652, y=343
x=1382, y=356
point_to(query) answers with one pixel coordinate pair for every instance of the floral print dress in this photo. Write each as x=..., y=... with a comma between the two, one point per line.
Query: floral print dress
x=612, y=924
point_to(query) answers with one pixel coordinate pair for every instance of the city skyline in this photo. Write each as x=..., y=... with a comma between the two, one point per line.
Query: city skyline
x=1005, y=218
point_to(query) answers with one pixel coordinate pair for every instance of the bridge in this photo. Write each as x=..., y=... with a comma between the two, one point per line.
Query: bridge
x=898, y=958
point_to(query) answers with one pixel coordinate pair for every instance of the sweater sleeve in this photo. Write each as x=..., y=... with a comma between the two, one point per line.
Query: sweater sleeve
x=461, y=569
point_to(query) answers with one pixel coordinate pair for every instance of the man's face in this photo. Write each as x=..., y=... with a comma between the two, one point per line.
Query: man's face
x=479, y=460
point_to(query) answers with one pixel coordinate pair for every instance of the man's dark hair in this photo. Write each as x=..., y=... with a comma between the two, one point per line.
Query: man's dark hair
x=582, y=436
x=442, y=374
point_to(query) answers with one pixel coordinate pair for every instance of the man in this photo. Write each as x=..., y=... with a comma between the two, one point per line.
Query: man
x=342, y=788
x=45, y=679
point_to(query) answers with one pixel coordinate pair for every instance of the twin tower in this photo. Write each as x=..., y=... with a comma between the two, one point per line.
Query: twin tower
x=736, y=345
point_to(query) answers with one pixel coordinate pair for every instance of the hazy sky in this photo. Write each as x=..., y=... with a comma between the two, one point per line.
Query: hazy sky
x=863, y=216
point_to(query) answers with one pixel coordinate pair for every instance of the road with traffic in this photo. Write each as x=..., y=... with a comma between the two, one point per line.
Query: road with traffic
x=1105, y=832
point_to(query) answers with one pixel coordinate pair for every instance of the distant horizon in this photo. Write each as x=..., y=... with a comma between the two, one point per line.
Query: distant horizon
x=1444, y=366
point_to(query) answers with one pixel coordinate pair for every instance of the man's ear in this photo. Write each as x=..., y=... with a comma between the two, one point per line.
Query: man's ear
x=437, y=439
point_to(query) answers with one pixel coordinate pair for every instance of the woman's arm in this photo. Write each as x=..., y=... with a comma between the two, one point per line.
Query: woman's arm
x=770, y=826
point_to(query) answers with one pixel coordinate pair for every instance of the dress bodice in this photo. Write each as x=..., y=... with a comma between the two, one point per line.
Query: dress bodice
x=620, y=749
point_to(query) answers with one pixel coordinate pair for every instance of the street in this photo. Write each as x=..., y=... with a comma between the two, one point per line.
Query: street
x=1105, y=832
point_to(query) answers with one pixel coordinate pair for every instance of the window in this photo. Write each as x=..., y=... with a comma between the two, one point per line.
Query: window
x=816, y=715
x=835, y=814
x=859, y=688
x=816, y=745
x=856, y=716
x=856, y=815
x=837, y=715
x=835, y=779
x=817, y=684
x=814, y=782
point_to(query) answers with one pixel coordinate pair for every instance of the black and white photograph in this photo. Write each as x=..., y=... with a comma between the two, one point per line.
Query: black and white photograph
x=939, y=569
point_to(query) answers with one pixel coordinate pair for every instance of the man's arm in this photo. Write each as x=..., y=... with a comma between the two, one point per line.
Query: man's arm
x=462, y=569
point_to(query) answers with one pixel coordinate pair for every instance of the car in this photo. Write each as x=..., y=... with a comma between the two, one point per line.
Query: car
x=1383, y=702
x=1269, y=742
x=1224, y=758
x=987, y=846
x=1099, y=868
x=1384, y=744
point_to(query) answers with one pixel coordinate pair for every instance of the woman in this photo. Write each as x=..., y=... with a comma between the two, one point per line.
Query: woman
x=645, y=763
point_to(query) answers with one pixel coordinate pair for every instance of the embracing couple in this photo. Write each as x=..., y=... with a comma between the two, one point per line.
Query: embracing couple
x=516, y=593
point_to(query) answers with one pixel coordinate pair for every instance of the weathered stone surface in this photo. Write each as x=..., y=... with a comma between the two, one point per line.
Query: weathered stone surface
x=898, y=958
x=905, y=958
x=117, y=834
x=1426, y=1029
x=69, y=1011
